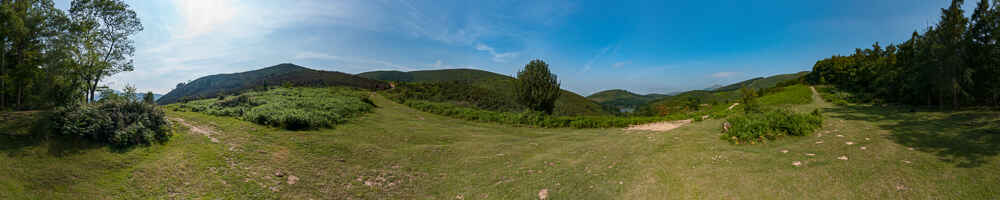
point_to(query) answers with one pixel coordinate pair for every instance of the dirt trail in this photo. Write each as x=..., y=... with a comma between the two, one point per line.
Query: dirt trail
x=200, y=130
x=733, y=106
x=659, y=126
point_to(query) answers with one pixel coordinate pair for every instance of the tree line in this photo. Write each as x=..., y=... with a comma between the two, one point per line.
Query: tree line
x=51, y=57
x=954, y=63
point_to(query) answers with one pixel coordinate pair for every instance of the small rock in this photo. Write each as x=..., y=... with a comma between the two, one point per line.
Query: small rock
x=906, y=161
x=842, y=158
x=849, y=143
x=911, y=148
x=459, y=197
x=840, y=135
x=797, y=163
x=810, y=154
x=620, y=182
x=868, y=139
x=819, y=142
x=863, y=148
x=784, y=151
x=543, y=194
x=900, y=187
x=279, y=174
x=292, y=179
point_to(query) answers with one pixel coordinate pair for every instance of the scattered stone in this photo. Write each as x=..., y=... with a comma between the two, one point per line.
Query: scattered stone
x=279, y=174
x=274, y=189
x=840, y=135
x=459, y=197
x=842, y=158
x=906, y=161
x=784, y=151
x=900, y=187
x=819, y=142
x=849, y=143
x=621, y=182
x=292, y=179
x=797, y=163
x=543, y=194
x=911, y=148
x=868, y=139
x=864, y=148
x=810, y=154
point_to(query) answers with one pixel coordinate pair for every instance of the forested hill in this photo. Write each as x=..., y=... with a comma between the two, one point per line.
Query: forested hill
x=487, y=83
x=762, y=82
x=433, y=75
x=623, y=99
x=211, y=86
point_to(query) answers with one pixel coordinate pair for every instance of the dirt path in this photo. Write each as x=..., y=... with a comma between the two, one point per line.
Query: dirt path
x=733, y=106
x=659, y=126
x=200, y=130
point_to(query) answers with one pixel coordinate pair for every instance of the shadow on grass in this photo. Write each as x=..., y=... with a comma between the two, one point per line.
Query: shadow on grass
x=967, y=138
x=22, y=134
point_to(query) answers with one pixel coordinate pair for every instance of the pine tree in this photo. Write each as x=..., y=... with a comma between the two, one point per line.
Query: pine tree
x=536, y=87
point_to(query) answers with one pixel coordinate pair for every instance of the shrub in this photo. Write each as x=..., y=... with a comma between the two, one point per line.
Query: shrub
x=529, y=117
x=289, y=108
x=536, y=87
x=769, y=125
x=116, y=123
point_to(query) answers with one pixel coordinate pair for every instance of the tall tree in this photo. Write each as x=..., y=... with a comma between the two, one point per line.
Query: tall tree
x=950, y=48
x=105, y=46
x=536, y=87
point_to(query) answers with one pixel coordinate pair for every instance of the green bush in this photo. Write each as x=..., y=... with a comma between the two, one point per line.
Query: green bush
x=289, y=108
x=117, y=123
x=769, y=125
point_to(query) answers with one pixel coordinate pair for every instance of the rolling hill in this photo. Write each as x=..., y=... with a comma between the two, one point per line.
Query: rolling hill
x=214, y=85
x=762, y=82
x=623, y=100
x=497, y=85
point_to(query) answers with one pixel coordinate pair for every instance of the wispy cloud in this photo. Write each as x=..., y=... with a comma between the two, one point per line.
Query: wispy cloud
x=590, y=63
x=351, y=62
x=621, y=64
x=497, y=57
x=725, y=74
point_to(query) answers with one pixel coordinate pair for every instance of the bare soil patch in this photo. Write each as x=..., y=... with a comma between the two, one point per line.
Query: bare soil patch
x=659, y=126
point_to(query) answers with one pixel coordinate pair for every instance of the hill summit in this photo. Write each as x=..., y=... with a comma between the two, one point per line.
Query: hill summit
x=286, y=73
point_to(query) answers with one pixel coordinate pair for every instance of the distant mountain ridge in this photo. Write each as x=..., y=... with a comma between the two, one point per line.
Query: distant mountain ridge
x=287, y=73
x=433, y=75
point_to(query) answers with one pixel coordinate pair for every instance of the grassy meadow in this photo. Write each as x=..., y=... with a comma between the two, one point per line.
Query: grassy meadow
x=396, y=152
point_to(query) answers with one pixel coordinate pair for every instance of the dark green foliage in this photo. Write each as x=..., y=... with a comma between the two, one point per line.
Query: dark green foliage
x=479, y=89
x=536, y=87
x=954, y=63
x=149, y=98
x=116, y=123
x=289, y=108
x=287, y=75
x=769, y=125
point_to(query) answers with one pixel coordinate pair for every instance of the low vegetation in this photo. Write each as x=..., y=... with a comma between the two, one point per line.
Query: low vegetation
x=116, y=123
x=529, y=118
x=769, y=125
x=289, y=108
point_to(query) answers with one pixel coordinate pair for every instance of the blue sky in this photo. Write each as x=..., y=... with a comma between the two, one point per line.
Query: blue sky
x=641, y=46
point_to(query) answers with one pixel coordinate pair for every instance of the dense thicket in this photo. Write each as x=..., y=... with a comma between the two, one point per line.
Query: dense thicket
x=954, y=63
x=288, y=108
x=119, y=121
x=51, y=57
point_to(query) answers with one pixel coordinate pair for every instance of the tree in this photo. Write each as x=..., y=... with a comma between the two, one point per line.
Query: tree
x=104, y=45
x=536, y=87
x=149, y=98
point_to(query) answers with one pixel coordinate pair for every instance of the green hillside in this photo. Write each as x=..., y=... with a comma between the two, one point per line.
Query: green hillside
x=475, y=87
x=762, y=82
x=214, y=85
x=623, y=99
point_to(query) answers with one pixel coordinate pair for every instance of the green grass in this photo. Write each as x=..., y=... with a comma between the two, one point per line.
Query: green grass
x=427, y=156
x=791, y=95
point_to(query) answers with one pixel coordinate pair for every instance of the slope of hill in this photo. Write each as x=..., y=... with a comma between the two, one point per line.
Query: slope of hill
x=214, y=85
x=623, y=100
x=433, y=75
x=762, y=82
x=494, y=84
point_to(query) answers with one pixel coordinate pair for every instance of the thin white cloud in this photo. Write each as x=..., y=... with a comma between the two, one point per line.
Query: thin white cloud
x=621, y=64
x=587, y=67
x=497, y=57
x=724, y=74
